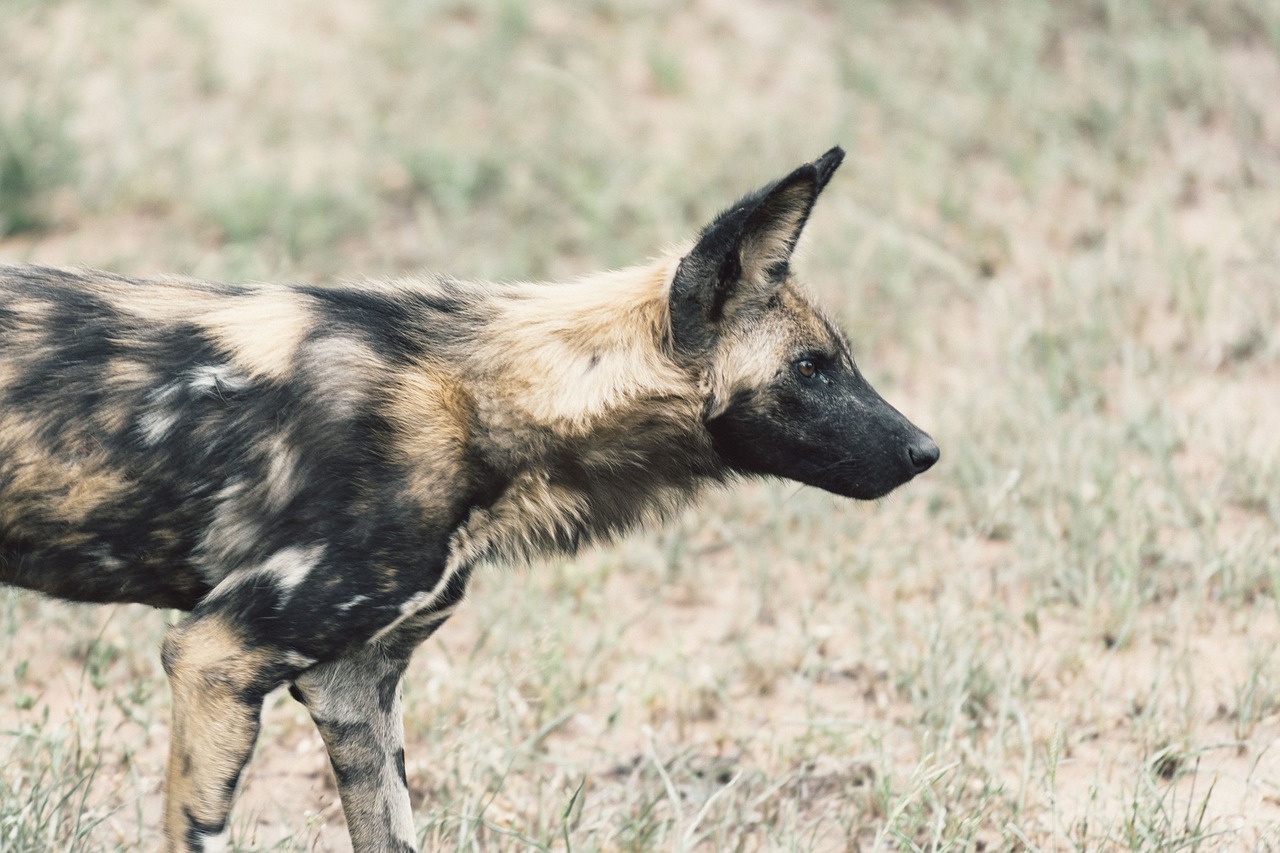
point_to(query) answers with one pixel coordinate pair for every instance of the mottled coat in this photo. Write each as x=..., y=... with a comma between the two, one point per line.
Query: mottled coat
x=312, y=472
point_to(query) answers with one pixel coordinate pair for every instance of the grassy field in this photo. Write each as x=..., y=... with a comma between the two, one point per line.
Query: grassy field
x=1056, y=242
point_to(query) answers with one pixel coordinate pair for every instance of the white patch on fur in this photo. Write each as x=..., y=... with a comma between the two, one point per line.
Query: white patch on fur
x=219, y=843
x=156, y=425
x=106, y=561
x=282, y=465
x=158, y=420
x=290, y=567
x=214, y=379
x=343, y=369
x=165, y=393
x=297, y=659
x=347, y=605
x=285, y=569
x=416, y=603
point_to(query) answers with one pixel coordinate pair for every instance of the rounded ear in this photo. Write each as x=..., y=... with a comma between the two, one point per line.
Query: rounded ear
x=744, y=254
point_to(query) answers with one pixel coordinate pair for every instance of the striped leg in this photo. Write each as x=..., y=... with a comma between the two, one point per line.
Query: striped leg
x=355, y=702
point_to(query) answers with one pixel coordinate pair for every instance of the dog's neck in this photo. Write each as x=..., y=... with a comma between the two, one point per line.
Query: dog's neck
x=592, y=424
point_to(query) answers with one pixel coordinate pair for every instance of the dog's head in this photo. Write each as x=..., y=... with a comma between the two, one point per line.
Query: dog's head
x=784, y=396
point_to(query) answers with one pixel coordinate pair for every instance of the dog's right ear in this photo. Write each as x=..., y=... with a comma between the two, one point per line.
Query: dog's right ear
x=743, y=256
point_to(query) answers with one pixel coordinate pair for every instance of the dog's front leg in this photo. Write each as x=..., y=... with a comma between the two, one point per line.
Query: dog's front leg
x=218, y=681
x=355, y=702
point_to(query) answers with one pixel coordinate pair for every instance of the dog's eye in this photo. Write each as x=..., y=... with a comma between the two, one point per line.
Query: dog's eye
x=806, y=367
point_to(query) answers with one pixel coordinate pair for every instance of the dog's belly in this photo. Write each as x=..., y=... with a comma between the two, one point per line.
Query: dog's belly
x=97, y=574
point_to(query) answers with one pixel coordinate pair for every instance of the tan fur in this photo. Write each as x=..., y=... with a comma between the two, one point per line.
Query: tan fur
x=27, y=342
x=762, y=248
x=161, y=300
x=124, y=376
x=530, y=508
x=97, y=487
x=209, y=667
x=572, y=353
x=66, y=486
x=281, y=473
x=752, y=357
x=31, y=316
x=113, y=417
x=231, y=534
x=129, y=374
x=748, y=360
x=510, y=529
x=433, y=413
x=262, y=329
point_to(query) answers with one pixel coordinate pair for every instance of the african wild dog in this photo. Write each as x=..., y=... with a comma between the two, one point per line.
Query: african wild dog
x=313, y=472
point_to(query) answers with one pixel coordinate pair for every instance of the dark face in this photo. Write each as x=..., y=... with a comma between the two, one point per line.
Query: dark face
x=786, y=397
x=820, y=422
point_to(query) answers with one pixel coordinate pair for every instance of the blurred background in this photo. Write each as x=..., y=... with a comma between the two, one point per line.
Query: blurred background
x=1056, y=243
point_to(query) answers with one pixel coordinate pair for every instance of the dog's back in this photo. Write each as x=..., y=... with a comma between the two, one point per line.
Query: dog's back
x=156, y=436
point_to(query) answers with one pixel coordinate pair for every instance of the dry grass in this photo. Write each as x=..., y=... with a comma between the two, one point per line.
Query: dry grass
x=1057, y=243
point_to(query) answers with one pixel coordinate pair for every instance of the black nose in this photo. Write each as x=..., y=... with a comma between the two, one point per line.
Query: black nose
x=923, y=454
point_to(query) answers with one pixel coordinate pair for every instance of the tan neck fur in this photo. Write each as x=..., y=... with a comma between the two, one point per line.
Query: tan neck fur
x=570, y=353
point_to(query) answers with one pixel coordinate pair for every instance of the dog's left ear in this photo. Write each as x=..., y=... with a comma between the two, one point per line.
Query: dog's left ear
x=742, y=256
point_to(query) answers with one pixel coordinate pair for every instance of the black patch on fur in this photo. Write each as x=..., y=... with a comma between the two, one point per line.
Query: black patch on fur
x=353, y=739
x=399, y=760
x=398, y=326
x=387, y=690
x=198, y=832
x=832, y=431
